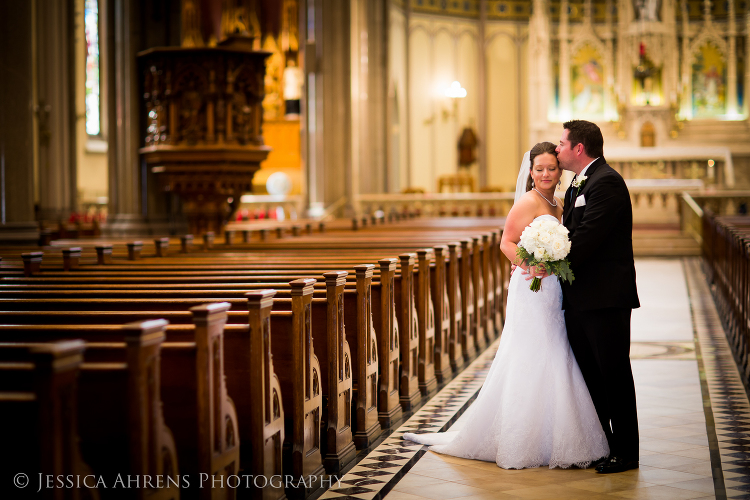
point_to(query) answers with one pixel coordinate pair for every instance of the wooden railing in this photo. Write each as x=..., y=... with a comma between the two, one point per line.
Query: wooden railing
x=718, y=203
x=691, y=217
x=436, y=204
x=726, y=255
x=678, y=204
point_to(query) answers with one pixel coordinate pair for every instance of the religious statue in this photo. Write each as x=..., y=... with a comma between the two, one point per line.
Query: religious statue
x=647, y=10
x=467, y=145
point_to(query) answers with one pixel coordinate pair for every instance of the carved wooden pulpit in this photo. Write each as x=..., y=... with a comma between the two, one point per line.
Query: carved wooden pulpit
x=204, y=136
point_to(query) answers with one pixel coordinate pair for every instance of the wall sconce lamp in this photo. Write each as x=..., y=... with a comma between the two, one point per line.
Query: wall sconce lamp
x=454, y=92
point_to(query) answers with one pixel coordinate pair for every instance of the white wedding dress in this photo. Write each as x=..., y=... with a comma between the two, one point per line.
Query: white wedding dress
x=534, y=408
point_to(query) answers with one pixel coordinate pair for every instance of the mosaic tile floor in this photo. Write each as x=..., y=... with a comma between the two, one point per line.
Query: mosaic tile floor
x=694, y=417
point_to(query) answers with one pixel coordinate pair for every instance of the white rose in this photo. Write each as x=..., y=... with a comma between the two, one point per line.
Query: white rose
x=549, y=224
x=558, y=248
x=536, y=224
x=561, y=229
x=545, y=237
x=538, y=253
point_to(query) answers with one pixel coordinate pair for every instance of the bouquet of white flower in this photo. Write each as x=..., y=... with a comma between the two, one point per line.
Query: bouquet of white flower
x=546, y=243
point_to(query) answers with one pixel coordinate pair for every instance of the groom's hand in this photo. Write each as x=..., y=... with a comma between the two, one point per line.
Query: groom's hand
x=536, y=272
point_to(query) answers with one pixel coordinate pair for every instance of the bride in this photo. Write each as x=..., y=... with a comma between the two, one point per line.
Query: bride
x=534, y=408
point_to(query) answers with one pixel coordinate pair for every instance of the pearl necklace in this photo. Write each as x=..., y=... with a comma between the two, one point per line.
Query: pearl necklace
x=545, y=198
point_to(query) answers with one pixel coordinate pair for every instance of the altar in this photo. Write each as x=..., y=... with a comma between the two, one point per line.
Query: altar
x=712, y=165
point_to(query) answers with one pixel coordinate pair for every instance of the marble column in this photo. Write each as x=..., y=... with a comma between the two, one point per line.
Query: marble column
x=17, y=136
x=55, y=109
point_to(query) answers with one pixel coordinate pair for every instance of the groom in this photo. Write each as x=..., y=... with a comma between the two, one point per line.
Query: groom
x=599, y=302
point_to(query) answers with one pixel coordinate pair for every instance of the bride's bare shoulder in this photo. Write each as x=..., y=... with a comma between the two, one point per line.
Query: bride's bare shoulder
x=529, y=198
x=524, y=210
x=529, y=202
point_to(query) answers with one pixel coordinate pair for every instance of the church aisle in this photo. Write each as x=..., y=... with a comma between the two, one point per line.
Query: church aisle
x=680, y=385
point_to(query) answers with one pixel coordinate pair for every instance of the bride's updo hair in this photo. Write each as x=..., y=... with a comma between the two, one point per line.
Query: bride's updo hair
x=539, y=148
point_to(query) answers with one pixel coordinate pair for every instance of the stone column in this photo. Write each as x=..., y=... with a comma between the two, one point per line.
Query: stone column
x=671, y=74
x=686, y=87
x=732, y=62
x=625, y=73
x=610, y=104
x=126, y=213
x=17, y=124
x=482, y=91
x=370, y=72
x=407, y=87
x=55, y=109
x=746, y=99
x=565, y=96
x=539, y=70
x=328, y=68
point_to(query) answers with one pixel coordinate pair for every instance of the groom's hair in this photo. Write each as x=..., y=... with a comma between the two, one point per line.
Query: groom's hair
x=586, y=133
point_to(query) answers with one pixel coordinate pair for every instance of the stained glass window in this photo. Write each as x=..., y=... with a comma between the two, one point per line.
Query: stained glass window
x=93, y=103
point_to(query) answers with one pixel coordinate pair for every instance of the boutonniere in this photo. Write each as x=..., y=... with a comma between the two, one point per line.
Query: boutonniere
x=578, y=183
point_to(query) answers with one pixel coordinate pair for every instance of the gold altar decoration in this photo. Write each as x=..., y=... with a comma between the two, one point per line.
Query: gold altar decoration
x=204, y=136
x=273, y=102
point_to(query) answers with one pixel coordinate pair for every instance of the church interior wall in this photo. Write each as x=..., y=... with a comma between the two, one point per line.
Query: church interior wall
x=504, y=113
x=442, y=50
x=374, y=114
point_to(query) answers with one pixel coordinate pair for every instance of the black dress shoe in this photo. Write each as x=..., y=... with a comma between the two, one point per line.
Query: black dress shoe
x=598, y=462
x=616, y=464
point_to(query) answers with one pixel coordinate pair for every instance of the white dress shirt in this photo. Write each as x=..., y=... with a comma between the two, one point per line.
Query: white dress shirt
x=583, y=172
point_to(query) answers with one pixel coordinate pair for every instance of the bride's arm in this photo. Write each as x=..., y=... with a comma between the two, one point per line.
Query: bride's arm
x=520, y=216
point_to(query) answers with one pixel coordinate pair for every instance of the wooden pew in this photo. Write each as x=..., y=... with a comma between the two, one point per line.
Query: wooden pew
x=120, y=411
x=439, y=312
x=196, y=406
x=340, y=451
x=421, y=329
x=38, y=404
x=385, y=327
x=300, y=380
x=253, y=385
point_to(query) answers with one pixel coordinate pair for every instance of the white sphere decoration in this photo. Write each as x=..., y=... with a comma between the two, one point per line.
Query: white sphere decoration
x=278, y=183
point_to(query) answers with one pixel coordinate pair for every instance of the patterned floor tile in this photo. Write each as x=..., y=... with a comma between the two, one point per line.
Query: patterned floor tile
x=376, y=474
x=726, y=399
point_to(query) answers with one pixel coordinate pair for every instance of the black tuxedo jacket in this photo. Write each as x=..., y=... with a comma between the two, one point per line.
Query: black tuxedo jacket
x=601, y=235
